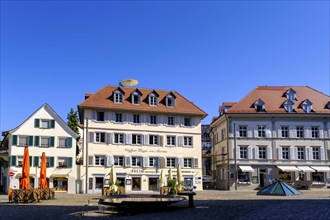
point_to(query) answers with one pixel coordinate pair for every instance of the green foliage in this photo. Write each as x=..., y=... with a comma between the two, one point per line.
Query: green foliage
x=118, y=182
x=73, y=121
x=172, y=187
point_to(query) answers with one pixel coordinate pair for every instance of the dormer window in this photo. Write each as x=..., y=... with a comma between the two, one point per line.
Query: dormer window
x=306, y=105
x=259, y=105
x=136, y=97
x=328, y=105
x=290, y=94
x=118, y=96
x=288, y=105
x=153, y=99
x=170, y=100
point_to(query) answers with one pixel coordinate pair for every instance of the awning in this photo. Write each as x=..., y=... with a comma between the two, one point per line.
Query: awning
x=321, y=168
x=305, y=169
x=59, y=175
x=20, y=175
x=288, y=168
x=246, y=168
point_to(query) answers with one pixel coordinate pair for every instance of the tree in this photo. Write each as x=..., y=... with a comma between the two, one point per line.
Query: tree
x=73, y=121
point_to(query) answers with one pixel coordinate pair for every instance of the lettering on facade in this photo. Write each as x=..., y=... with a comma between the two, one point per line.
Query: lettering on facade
x=141, y=150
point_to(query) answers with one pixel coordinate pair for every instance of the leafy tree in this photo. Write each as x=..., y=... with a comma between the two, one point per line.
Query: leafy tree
x=73, y=121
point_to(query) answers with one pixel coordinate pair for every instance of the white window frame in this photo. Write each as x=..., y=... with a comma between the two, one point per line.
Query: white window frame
x=153, y=119
x=136, y=97
x=243, y=152
x=261, y=131
x=137, y=138
x=187, y=141
x=316, y=153
x=285, y=153
x=153, y=161
x=136, y=119
x=284, y=131
x=153, y=100
x=118, y=138
x=171, y=140
x=315, y=132
x=262, y=151
x=170, y=162
x=98, y=137
x=301, y=153
x=118, y=161
x=170, y=121
x=300, y=131
x=119, y=117
x=153, y=139
x=99, y=160
x=118, y=98
x=136, y=161
x=187, y=162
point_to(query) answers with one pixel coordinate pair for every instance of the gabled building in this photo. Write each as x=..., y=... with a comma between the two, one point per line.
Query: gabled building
x=141, y=132
x=43, y=131
x=274, y=132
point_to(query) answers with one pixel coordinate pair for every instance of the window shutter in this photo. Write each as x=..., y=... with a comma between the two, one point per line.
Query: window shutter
x=36, y=161
x=322, y=154
x=180, y=140
x=256, y=152
x=113, y=116
x=280, y=153
x=52, y=123
x=250, y=156
x=193, y=121
x=238, y=148
x=51, y=162
x=145, y=162
x=30, y=141
x=36, y=141
x=268, y=132
x=162, y=162
x=128, y=138
x=14, y=139
x=124, y=115
x=195, y=161
x=127, y=161
x=177, y=120
x=13, y=161
x=249, y=132
x=146, y=139
x=52, y=141
x=107, y=138
x=70, y=162
x=107, y=116
x=255, y=131
x=37, y=123
x=159, y=119
x=292, y=132
x=91, y=137
x=90, y=160
x=31, y=160
x=94, y=115
x=69, y=142
x=161, y=140
x=109, y=160
x=310, y=153
x=269, y=153
x=176, y=161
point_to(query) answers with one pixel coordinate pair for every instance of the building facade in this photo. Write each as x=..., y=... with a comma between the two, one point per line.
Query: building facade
x=43, y=131
x=275, y=132
x=206, y=157
x=141, y=132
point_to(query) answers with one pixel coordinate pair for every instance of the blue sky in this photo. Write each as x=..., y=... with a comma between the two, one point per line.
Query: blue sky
x=209, y=51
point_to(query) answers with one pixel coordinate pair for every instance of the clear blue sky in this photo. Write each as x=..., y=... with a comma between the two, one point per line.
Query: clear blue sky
x=209, y=51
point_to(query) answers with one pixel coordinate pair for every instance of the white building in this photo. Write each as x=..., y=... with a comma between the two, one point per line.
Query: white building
x=281, y=132
x=141, y=132
x=43, y=131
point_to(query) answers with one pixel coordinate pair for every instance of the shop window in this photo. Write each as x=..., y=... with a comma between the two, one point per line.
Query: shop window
x=243, y=177
x=136, y=185
x=318, y=177
x=153, y=184
x=285, y=176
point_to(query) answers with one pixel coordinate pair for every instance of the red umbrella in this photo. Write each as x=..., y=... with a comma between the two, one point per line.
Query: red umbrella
x=25, y=181
x=43, y=181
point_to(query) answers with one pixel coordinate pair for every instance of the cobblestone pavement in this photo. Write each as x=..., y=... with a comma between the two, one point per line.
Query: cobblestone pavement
x=209, y=204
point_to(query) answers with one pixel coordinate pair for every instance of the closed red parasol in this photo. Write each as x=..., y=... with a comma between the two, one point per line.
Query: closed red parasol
x=25, y=181
x=43, y=180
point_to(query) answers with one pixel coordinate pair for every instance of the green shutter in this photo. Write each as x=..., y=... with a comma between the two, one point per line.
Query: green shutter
x=70, y=162
x=51, y=162
x=30, y=141
x=52, y=141
x=69, y=142
x=36, y=141
x=37, y=123
x=36, y=161
x=31, y=161
x=52, y=123
x=13, y=161
x=14, y=140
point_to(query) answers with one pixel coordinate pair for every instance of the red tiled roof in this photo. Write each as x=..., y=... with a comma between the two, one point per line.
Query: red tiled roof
x=274, y=97
x=103, y=99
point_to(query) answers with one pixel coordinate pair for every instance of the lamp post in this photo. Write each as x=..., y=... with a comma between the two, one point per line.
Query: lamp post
x=235, y=158
x=86, y=151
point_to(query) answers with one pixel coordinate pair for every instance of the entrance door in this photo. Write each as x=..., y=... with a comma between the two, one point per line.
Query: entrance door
x=136, y=185
x=153, y=183
x=261, y=179
x=98, y=184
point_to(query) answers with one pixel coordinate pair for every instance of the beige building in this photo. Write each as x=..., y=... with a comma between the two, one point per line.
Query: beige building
x=141, y=132
x=43, y=131
x=275, y=132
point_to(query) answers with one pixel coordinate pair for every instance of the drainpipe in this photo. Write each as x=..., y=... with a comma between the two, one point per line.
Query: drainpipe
x=86, y=149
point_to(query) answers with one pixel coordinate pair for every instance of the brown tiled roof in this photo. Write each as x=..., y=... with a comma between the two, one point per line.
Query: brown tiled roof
x=103, y=99
x=226, y=104
x=274, y=97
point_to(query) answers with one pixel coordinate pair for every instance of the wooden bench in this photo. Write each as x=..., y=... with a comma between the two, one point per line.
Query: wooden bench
x=190, y=195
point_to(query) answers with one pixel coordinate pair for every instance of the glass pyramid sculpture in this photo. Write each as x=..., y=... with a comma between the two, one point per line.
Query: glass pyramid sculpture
x=279, y=188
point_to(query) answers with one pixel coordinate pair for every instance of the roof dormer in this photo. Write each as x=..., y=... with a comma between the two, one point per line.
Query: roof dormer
x=259, y=105
x=170, y=100
x=327, y=105
x=288, y=105
x=136, y=97
x=307, y=106
x=153, y=98
x=290, y=94
x=118, y=96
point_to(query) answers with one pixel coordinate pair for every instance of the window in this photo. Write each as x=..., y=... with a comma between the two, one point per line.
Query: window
x=259, y=105
x=187, y=162
x=23, y=141
x=119, y=117
x=261, y=131
x=300, y=131
x=316, y=153
x=99, y=137
x=119, y=138
x=153, y=119
x=187, y=141
x=243, y=177
x=100, y=116
x=63, y=162
x=64, y=142
x=285, y=153
x=136, y=119
x=153, y=161
x=290, y=94
x=223, y=131
x=242, y=129
x=153, y=100
x=289, y=108
x=301, y=153
x=136, y=99
x=45, y=124
x=45, y=141
x=288, y=105
x=243, y=152
x=187, y=121
x=306, y=105
x=118, y=97
x=170, y=120
x=285, y=131
x=170, y=101
x=318, y=177
x=118, y=161
x=170, y=162
x=136, y=161
x=19, y=161
x=170, y=140
x=99, y=160
x=153, y=139
x=315, y=132
x=136, y=139
x=262, y=153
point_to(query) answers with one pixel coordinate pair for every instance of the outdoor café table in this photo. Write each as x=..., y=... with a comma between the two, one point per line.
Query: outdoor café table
x=191, y=195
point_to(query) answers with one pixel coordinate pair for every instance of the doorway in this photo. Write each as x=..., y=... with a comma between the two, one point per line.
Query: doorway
x=262, y=180
x=136, y=185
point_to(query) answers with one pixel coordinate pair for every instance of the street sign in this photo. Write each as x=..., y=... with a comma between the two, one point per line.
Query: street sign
x=11, y=173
